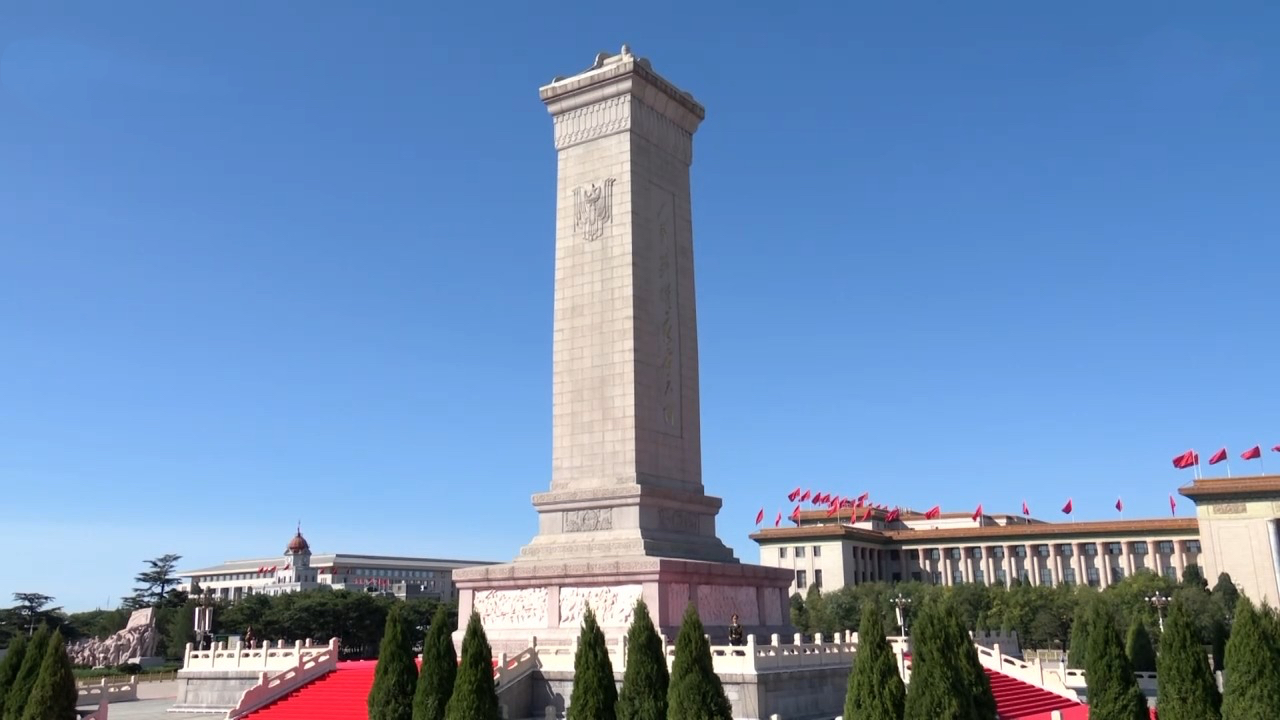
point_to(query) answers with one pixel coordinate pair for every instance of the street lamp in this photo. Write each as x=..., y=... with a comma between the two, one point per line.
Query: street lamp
x=899, y=603
x=1159, y=602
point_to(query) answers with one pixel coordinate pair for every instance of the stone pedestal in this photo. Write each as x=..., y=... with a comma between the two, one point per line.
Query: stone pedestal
x=627, y=515
x=521, y=601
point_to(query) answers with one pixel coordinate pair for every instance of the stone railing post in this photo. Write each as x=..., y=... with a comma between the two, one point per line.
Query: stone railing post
x=622, y=652
x=798, y=639
x=774, y=640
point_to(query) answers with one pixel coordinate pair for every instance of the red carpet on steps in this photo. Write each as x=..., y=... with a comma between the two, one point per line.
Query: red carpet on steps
x=340, y=695
x=1016, y=700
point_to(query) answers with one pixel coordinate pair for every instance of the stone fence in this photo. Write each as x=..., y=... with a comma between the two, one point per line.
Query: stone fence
x=269, y=657
x=1053, y=676
x=308, y=666
x=110, y=691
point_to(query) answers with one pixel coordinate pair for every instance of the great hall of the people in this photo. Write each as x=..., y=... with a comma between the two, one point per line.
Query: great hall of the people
x=1234, y=531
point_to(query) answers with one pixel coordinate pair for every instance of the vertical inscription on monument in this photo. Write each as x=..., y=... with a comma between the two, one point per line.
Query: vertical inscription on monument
x=668, y=317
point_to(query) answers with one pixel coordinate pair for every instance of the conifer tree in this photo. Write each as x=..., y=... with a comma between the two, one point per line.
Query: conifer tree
x=53, y=697
x=1113, y=689
x=1251, y=678
x=978, y=684
x=439, y=670
x=9, y=667
x=696, y=692
x=1188, y=690
x=391, y=697
x=1078, y=646
x=1225, y=594
x=941, y=685
x=474, y=695
x=16, y=699
x=645, y=681
x=875, y=691
x=1137, y=645
x=595, y=696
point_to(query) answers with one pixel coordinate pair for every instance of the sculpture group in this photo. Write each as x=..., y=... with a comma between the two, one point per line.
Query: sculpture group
x=137, y=640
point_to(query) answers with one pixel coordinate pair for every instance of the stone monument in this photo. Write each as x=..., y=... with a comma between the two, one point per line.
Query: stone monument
x=136, y=643
x=627, y=515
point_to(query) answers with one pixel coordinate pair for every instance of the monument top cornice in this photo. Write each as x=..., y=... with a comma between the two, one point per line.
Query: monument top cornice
x=608, y=76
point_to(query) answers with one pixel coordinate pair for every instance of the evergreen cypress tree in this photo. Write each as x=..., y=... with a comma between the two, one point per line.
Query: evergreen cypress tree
x=53, y=697
x=696, y=692
x=10, y=666
x=1137, y=645
x=978, y=685
x=474, y=695
x=940, y=683
x=1113, y=689
x=15, y=701
x=595, y=696
x=1188, y=690
x=1251, y=679
x=645, y=682
x=391, y=697
x=439, y=670
x=1226, y=595
x=875, y=688
x=1078, y=646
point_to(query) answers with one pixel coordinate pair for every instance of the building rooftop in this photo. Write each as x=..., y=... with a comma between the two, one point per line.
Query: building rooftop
x=1021, y=530
x=337, y=559
x=1256, y=486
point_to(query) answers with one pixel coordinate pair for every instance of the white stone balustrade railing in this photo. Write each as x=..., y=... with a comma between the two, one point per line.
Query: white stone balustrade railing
x=118, y=691
x=509, y=669
x=269, y=657
x=1031, y=671
x=1074, y=678
x=271, y=688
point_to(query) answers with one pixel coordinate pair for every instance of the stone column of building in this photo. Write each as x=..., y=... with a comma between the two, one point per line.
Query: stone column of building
x=1010, y=564
x=988, y=565
x=967, y=562
x=1059, y=576
x=1153, y=556
x=1180, y=557
x=1127, y=551
x=1078, y=559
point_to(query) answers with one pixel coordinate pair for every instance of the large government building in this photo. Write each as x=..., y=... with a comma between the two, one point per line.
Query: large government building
x=1234, y=531
x=297, y=569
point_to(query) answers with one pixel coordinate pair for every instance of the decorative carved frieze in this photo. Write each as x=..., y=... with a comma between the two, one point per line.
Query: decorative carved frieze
x=613, y=606
x=717, y=604
x=1237, y=508
x=618, y=114
x=588, y=520
x=522, y=608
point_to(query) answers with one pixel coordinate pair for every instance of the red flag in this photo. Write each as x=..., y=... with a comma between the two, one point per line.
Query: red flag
x=1252, y=453
x=1066, y=509
x=1119, y=505
x=1276, y=449
x=805, y=496
x=832, y=510
x=1173, y=505
x=863, y=497
x=778, y=521
x=1187, y=459
x=893, y=515
x=1025, y=510
x=793, y=495
x=1218, y=457
x=273, y=568
x=933, y=513
x=760, y=516
x=795, y=514
x=866, y=515
x=977, y=513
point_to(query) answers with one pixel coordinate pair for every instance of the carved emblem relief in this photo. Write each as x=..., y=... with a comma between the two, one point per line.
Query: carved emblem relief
x=678, y=520
x=523, y=608
x=1229, y=509
x=593, y=209
x=718, y=603
x=613, y=606
x=588, y=520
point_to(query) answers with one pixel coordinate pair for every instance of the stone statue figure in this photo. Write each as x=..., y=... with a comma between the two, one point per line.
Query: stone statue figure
x=137, y=640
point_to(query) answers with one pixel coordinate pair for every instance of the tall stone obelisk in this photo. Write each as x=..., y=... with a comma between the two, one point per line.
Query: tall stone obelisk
x=627, y=515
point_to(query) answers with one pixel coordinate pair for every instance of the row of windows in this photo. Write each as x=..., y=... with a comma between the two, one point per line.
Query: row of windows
x=362, y=572
x=1139, y=547
x=1046, y=576
x=802, y=579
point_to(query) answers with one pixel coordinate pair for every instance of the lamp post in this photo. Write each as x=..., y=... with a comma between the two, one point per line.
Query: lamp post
x=899, y=603
x=1159, y=602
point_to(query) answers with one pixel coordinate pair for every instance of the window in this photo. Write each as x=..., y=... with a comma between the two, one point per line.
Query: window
x=1091, y=548
x=1024, y=576
x=1115, y=548
x=957, y=577
x=975, y=553
x=1117, y=574
x=1046, y=576
x=997, y=552
x=1171, y=573
x=1165, y=547
x=782, y=553
x=937, y=578
x=1020, y=551
x=799, y=552
x=817, y=579
x=817, y=552
x=1092, y=575
x=1002, y=576
x=1140, y=548
x=1069, y=576
x=934, y=554
x=955, y=553
x=979, y=577
x=1066, y=550
x=1042, y=551
x=1193, y=546
x=801, y=580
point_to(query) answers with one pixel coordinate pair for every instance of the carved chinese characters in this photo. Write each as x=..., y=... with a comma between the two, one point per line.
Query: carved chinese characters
x=668, y=321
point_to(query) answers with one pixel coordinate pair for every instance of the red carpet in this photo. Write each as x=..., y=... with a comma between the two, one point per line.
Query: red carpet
x=341, y=695
x=1016, y=700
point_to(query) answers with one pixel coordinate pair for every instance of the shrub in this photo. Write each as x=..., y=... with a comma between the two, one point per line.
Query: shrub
x=695, y=692
x=16, y=699
x=1251, y=679
x=53, y=696
x=474, y=696
x=1188, y=690
x=594, y=697
x=875, y=691
x=439, y=670
x=391, y=697
x=1113, y=689
x=1137, y=646
x=645, y=682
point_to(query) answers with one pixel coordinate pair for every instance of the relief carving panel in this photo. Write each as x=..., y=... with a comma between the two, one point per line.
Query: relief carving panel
x=678, y=520
x=718, y=603
x=593, y=208
x=523, y=608
x=613, y=606
x=1229, y=508
x=588, y=520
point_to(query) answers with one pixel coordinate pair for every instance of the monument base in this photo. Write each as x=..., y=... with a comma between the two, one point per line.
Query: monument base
x=522, y=601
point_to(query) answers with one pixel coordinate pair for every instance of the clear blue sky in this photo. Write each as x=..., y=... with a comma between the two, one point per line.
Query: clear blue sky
x=261, y=263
